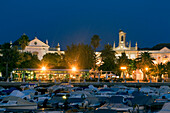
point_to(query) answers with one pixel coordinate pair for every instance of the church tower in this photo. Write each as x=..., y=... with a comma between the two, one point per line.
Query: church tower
x=122, y=39
x=123, y=46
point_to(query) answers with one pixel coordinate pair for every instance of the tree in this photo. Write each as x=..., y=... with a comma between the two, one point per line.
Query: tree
x=122, y=61
x=27, y=60
x=144, y=61
x=160, y=46
x=52, y=60
x=81, y=56
x=23, y=41
x=108, y=59
x=95, y=42
x=168, y=68
x=132, y=66
x=158, y=70
x=8, y=59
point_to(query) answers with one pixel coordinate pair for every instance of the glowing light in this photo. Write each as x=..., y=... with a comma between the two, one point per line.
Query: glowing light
x=43, y=68
x=123, y=68
x=64, y=97
x=146, y=68
x=74, y=69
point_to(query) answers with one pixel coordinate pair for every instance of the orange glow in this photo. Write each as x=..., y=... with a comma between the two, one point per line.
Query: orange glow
x=123, y=68
x=43, y=68
x=74, y=69
x=146, y=68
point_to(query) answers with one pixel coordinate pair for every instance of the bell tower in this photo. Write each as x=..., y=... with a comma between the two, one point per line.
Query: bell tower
x=122, y=39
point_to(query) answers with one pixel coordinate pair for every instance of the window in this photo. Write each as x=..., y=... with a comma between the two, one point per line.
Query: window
x=121, y=38
x=35, y=43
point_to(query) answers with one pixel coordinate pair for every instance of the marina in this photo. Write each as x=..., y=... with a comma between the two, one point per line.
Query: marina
x=63, y=56
x=66, y=97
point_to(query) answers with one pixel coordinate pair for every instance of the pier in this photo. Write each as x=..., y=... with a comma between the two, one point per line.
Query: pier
x=97, y=84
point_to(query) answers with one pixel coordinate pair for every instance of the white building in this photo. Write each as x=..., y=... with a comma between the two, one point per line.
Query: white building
x=162, y=55
x=39, y=48
x=131, y=52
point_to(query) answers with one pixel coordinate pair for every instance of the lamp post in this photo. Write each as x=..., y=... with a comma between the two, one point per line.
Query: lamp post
x=123, y=68
x=73, y=71
x=147, y=69
x=43, y=69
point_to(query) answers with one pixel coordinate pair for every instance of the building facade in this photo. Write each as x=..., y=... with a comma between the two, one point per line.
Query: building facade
x=40, y=48
x=160, y=56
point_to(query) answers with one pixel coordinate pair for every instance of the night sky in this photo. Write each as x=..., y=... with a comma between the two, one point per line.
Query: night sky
x=76, y=21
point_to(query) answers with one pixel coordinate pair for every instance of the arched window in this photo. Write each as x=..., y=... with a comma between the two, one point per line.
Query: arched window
x=121, y=38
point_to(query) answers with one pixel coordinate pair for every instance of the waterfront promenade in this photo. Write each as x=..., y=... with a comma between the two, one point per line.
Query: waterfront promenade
x=97, y=84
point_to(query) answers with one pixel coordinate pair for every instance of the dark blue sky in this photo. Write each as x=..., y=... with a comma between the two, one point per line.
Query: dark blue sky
x=74, y=21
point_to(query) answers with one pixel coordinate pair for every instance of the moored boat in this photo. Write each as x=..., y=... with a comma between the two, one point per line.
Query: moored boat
x=12, y=102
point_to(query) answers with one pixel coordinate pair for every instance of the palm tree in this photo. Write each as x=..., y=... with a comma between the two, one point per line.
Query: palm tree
x=108, y=59
x=168, y=68
x=132, y=67
x=23, y=41
x=158, y=70
x=95, y=42
x=122, y=61
x=143, y=61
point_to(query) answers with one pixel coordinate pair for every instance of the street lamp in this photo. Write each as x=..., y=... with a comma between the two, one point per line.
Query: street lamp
x=147, y=75
x=123, y=68
x=44, y=72
x=146, y=68
x=43, y=68
x=74, y=69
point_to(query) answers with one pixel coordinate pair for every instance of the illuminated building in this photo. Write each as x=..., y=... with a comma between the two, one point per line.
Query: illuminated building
x=160, y=56
x=40, y=48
